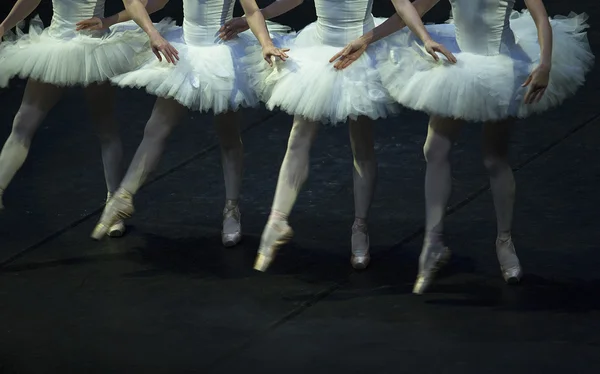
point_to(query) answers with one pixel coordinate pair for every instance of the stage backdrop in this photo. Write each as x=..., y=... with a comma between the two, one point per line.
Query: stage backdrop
x=297, y=18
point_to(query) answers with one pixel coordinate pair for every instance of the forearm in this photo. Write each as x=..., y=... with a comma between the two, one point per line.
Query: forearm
x=395, y=22
x=152, y=6
x=279, y=7
x=19, y=12
x=137, y=12
x=256, y=22
x=544, y=29
x=412, y=17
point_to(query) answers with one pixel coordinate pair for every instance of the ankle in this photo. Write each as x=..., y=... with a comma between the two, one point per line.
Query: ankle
x=278, y=216
x=433, y=239
x=503, y=237
x=231, y=204
x=360, y=225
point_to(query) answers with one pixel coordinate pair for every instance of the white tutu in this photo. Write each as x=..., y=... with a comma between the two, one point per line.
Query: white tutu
x=308, y=85
x=64, y=57
x=486, y=88
x=210, y=73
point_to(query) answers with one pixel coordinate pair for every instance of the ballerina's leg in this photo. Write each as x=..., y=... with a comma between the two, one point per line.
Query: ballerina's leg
x=165, y=117
x=292, y=175
x=441, y=133
x=495, y=143
x=227, y=128
x=39, y=98
x=365, y=180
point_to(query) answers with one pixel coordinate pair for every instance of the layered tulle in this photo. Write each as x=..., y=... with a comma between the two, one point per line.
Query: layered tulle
x=64, y=57
x=486, y=88
x=210, y=74
x=308, y=85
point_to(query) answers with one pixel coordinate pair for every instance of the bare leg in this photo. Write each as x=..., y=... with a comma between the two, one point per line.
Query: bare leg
x=442, y=132
x=496, y=137
x=365, y=180
x=293, y=174
x=165, y=116
x=38, y=99
x=232, y=158
x=100, y=98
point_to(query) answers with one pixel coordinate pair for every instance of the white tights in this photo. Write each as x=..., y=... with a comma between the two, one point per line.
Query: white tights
x=38, y=100
x=165, y=116
x=441, y=134
x=295, y=166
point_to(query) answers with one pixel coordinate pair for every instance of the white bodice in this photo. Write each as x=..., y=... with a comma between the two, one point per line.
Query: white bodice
x=69, y=12
x=341, y=21
x=483, y=26
x=203, y=18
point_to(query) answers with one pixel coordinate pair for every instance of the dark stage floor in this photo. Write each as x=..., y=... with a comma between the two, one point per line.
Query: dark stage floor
x=167, y=298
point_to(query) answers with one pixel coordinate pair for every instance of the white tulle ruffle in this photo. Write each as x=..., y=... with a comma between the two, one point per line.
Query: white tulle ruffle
x=64, y=57
x=210, y=74
x=486, y=88
x=308, y=85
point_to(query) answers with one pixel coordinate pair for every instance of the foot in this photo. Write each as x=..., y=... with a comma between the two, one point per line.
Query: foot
x=118, y=229
x=509, y=262
x=433, y=258
x=361, y=257
x=275, y=234
x=231, y=234
x=118, y=208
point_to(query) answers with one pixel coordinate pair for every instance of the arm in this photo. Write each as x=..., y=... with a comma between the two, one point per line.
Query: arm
x=137, y=11
x=151, y=6
x=538, y=80
x=19, y=12
x=237, y=25
x=279, y=7
x=395, y=22
x=410, y=16
x=540, y=17
x=256, y=21
x=257, y=24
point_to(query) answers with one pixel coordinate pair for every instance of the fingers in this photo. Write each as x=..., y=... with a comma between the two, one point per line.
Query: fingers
x=433, y=54
x=157, y=54
x=340, y=54
x=449, y=56
x=529, y=79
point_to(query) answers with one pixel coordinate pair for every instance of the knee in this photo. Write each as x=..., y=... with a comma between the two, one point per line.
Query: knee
x=25, y=123
x=436, y=150
x=495, y=163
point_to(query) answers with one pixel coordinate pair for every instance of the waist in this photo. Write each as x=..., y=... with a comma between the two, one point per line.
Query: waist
x=66, y=28
x=486, y=45
x=196, y=34
x=339, y=33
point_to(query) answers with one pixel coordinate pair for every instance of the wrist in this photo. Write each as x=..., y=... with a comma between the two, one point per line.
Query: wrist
x=546, y=65
x=366, y=39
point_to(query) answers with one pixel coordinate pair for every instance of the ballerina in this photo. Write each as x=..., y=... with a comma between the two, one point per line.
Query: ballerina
x=208, y=76
x=356, y=94
x=58, y=57
x=511, y=65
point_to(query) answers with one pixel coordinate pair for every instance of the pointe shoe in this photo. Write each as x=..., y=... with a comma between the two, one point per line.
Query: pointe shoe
x=509, y=262
x=118, y=229
x=433, y=258
x=231, y=234
x=280, y=233
x=118, y=208
x=361, y=257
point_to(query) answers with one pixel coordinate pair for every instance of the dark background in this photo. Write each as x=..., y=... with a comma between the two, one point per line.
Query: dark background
x=296, y=19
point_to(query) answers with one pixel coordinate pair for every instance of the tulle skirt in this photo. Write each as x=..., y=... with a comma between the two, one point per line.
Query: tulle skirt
x=210, y=73
x=486, y=88
x=61, y=56
x=308, y=85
